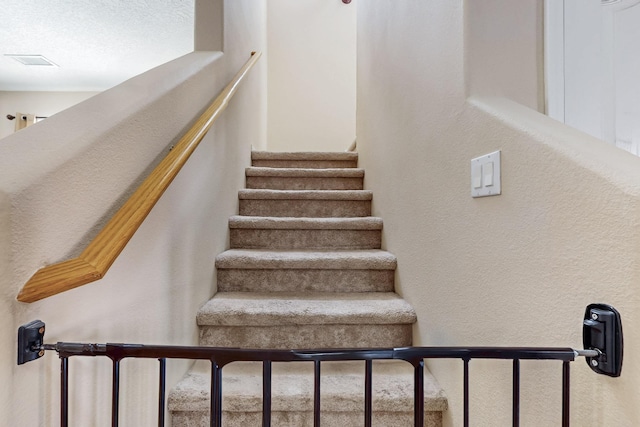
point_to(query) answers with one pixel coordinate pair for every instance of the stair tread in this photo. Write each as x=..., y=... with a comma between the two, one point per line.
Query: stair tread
x=304, y=155
x=367, y=259
x=309, y=308
x=302, y=223
x=292, y=388
x=305, y=172
x=262, y=194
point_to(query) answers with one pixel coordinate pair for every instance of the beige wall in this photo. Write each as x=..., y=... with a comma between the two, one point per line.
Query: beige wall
x=60, y=179
x=43, y=104
x=516, y=269
x=312, y=72
x=503, y=62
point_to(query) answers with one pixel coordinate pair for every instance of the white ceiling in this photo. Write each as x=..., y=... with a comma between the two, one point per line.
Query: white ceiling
x=95, y=43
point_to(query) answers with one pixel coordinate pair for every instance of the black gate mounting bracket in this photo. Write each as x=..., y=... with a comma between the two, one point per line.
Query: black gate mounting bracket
x=30, y=341
x=602, y=331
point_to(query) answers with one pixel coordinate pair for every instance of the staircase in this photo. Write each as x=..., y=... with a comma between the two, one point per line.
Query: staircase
x=305, y=270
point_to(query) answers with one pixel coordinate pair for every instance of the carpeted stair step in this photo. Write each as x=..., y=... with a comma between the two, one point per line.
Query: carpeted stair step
x=304, y=179
x=315, y=160
x=251, y=232
x=341, y=395
x=317, y=271
x=305, y=203
x=305, y=320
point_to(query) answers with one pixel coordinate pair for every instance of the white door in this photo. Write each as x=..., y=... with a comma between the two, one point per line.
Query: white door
x=593, y=68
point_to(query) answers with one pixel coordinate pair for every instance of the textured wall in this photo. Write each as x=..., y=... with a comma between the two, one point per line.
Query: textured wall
x=312, y=72
x=59, y=180
x=517, y=269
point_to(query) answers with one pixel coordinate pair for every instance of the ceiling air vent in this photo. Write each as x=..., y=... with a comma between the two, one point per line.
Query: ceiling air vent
x=32, y=60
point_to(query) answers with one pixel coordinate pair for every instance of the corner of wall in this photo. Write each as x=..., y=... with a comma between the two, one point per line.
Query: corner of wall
x=504, y=44
x=209, y=25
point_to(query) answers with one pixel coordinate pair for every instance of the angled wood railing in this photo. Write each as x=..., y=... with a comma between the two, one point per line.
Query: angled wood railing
x=102, y=251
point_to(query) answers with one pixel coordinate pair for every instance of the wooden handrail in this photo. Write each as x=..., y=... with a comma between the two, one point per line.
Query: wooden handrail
x=102, y=251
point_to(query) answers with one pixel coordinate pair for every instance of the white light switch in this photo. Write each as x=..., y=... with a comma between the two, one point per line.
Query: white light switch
x=477, y=178
x=485, y=175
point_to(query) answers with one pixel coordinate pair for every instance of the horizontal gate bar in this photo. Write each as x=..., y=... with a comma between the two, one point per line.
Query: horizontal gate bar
x=228, y=355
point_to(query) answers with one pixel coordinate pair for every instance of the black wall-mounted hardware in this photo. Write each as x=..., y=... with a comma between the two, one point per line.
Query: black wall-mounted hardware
x=30, y=341
x=602, y=331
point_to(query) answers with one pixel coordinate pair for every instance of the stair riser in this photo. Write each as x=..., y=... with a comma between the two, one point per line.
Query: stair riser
x=280, y=183
x=292, y=280
x=305, y=419
x=305, y=239
x=307, y=336
x=305, y=208
x=305, y=164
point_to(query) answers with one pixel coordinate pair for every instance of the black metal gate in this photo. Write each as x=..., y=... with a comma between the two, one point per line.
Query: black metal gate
x=602, y=332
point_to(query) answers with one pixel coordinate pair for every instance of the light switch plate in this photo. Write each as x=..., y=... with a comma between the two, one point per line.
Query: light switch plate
x=481, y=184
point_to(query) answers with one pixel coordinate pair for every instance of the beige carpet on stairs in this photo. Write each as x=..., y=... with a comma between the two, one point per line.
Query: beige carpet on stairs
x=305, y=270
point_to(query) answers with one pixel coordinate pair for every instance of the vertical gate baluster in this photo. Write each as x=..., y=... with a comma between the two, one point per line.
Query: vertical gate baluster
x=64, y=391
x=368, y=381
x=216, y=394
x=316, y=394
x=565, y=394
x=115, y=393
x=266, y=393
x=161, y=392
x=418, y=403
x=466, y=392
x=516, y=392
